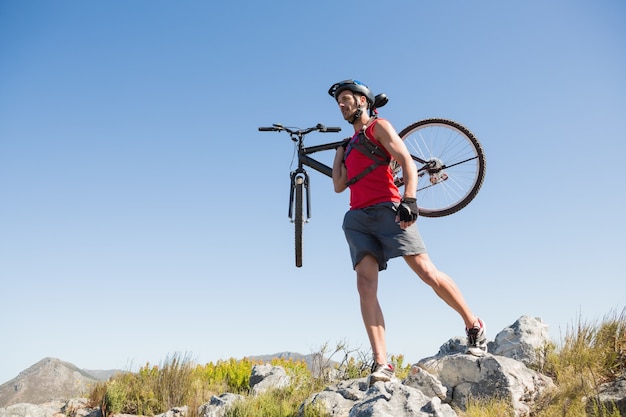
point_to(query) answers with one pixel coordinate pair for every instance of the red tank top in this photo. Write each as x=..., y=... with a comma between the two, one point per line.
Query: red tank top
x=375, y=187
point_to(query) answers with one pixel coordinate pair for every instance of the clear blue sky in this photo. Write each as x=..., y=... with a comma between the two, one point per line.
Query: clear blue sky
x=142, y=213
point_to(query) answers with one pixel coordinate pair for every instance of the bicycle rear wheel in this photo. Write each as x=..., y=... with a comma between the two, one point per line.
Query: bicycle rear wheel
x=450, y=165
x=299, y=218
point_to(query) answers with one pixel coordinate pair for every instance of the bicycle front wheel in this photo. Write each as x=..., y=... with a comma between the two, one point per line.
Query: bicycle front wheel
x=450, y=165
x=299, y=218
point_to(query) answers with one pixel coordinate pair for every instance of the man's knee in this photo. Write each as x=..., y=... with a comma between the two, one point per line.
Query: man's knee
x=423, y=266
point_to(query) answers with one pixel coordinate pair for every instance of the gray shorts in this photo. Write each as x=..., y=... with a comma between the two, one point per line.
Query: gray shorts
x=373, y=231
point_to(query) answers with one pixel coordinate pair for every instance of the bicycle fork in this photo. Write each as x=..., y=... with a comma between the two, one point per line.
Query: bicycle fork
x=299, y=177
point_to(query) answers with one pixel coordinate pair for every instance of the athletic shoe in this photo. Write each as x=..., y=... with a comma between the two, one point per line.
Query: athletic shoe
x=381, y=373
x=476, y=340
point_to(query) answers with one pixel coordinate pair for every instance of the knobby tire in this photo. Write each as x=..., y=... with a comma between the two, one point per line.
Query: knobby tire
x=299, y=222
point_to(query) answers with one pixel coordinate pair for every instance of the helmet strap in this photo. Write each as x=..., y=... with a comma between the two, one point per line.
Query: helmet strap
x=358, y=112
x=357, y=116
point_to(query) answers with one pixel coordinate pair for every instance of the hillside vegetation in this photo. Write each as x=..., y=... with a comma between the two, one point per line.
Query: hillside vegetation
x=591, y=353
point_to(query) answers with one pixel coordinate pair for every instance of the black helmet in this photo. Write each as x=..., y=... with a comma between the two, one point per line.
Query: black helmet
x=354, y=86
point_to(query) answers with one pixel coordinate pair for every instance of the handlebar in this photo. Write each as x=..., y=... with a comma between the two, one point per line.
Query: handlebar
x=300, y=132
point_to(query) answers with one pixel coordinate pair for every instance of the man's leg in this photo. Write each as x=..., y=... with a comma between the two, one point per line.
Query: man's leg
x=443, y=286
x=367, y=285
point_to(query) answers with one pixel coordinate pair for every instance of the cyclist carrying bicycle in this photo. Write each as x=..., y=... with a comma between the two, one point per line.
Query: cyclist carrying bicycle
x=380, y=224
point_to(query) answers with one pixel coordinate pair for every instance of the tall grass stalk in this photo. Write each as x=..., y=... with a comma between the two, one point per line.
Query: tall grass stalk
x=173, y=382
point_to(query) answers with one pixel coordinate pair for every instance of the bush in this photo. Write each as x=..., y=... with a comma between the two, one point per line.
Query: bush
x=114, y=398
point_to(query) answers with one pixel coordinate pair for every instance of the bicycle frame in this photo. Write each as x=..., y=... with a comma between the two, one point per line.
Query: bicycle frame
x=300, y=174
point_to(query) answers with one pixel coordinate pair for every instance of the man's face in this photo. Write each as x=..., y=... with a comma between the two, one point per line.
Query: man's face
x=347, y=103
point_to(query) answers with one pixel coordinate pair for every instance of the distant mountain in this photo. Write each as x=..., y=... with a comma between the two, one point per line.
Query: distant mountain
x=283, y=355
x=313, y=361
x=47, y=380
x=101, y=375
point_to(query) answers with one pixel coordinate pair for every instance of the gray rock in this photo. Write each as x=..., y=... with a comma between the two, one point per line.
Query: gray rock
x=217, y=406
x=51, y=409
x=393, y=399
x=338, y=399
x=452, y=346
x=266, y=377
x=523, y=341
x=175, y=412
x=79, y=407
x=428, y=384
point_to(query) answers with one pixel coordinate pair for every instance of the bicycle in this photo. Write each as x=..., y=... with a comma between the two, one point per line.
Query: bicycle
x=446, y=153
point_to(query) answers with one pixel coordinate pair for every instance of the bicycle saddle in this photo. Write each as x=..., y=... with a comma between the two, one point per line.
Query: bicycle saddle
x=380, y=100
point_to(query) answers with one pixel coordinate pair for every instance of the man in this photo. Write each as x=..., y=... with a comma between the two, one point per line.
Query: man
x=380, y=224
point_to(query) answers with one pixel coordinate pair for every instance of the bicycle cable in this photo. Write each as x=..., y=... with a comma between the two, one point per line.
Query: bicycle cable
x=293, y=157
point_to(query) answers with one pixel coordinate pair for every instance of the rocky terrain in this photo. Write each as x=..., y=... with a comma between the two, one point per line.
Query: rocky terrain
x=436, y=386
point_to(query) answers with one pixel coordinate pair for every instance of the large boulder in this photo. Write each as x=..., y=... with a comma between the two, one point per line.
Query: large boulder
x=490, y=376
x=266, y=376
x=525, y=341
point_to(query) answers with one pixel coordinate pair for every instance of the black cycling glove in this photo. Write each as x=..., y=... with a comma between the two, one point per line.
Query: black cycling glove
x=407, y=210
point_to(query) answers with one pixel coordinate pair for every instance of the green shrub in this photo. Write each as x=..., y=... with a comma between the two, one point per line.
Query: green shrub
x=402, y=370
x=114, y=398
x=226, y=376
